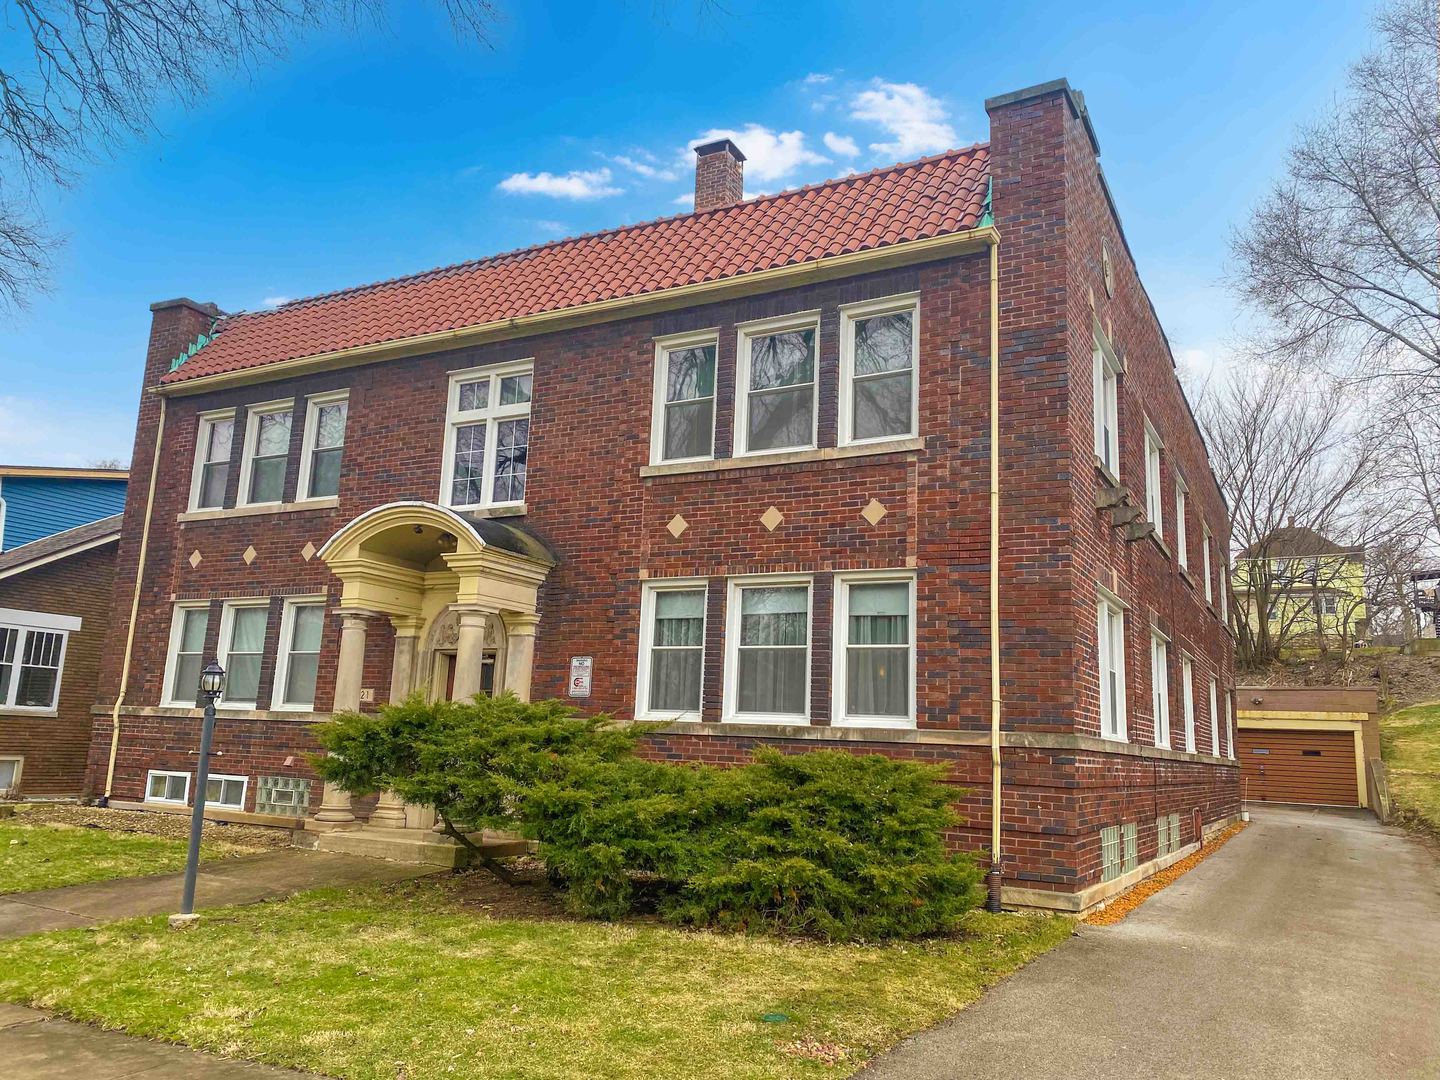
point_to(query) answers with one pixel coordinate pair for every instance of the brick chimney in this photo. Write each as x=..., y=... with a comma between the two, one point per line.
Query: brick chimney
x=719, y=175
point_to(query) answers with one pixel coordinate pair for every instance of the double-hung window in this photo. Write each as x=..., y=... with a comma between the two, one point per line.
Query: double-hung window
x=1160, y=687
x=242, y=644
x=1187, y=687
x=1221, y=583
x=775, y=381
x=1110, y=641
x=324, y=445
x=768, y=651
x=1214, y=717
x=1182, y=524
x=487, y=438
x=879, y=344
x=1229, y=725
x=167, y=787
x=1107, y=404
x=874, y=669
x=267, y=450
x=1206, y=542
x=301, y=627
x=672, y=650
x=213, y=441
x=1154, y=499
x=187, y=649
x=684, y=408
x=32, y=656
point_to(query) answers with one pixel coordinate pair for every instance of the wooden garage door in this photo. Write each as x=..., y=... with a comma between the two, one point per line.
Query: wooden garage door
x=1298, y=767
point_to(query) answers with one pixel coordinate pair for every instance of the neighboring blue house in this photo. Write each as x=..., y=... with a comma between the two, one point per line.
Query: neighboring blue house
x=36, y=502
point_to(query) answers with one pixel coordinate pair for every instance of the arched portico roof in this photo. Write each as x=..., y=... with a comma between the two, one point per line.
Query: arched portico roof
x=381, y=519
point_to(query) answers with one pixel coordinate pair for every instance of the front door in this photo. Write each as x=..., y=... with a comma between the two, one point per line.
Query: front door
x=487, y=673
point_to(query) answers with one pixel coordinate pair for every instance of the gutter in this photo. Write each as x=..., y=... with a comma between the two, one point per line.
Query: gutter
x=993, y=877
x=134, y=609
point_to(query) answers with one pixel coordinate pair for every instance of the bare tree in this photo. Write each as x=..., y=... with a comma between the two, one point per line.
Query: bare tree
x=88, y=74
x=1343, y=256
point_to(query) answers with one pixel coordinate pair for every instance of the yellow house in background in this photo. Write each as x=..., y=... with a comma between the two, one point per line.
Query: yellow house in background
x=1303, y=587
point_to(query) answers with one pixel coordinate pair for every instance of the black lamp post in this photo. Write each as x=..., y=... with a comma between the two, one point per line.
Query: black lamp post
x=212, y=682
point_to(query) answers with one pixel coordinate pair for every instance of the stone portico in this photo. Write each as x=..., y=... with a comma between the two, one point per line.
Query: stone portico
x=461, y=594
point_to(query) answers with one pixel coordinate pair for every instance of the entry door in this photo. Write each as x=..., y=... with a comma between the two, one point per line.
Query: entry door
x=487, y=674
x=1298, y=767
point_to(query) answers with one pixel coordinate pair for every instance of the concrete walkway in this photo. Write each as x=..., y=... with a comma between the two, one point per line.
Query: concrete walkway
x=245, y=880
x=1308, y=947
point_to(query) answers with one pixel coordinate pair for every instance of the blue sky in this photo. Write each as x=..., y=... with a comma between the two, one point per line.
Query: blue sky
x=361, y=156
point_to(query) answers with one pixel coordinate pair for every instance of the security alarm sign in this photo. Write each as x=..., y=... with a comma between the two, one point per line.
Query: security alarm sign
x=580, y=668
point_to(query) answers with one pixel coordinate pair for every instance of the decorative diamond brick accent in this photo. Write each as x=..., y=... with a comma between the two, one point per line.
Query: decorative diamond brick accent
x=195, y=558
x=308, y=551
x=874, y=511
x=771, y=519
x=250, y=555
x=677, y=526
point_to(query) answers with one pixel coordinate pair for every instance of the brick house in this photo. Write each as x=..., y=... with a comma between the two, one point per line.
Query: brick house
x=760, y=508
x=54, y=620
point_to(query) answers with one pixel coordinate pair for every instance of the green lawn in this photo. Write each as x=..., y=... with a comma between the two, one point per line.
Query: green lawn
x=47, y=856
x=403, y=982
x=1411, y=742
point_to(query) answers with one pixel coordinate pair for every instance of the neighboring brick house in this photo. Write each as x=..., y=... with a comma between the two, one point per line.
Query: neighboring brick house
x=731, y=470
x=54, y=619
x=37, y=501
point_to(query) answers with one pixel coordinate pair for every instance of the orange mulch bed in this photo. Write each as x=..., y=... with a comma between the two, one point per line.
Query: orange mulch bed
x=1137, y=894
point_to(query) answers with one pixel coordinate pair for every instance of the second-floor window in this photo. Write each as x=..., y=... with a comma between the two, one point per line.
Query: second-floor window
x=267, y=451
x=325, y=416
x=212, y=460
x=775, y=379
x=1182, y=524
x=487, y=439
x=878, y=347
x=1107, y=406
x=1154, y=498
x=684, y=424
x=1206, y=540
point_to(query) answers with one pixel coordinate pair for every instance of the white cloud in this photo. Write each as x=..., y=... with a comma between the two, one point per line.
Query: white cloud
x=917, y=121
x=769, y=155
x=649, y=168
x=817, y=78
x=550, y=227
x=275, y=301
x=34, y=431
x=687, y=200
x=577, y=184
x=843, y=145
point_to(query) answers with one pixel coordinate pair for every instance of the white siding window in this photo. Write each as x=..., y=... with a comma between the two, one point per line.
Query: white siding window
x=213, y=441
x=1154, y=498
x=1229, y=725
x=242, y=644
x=167, y=787
x=879, y=346
x=775, y=385
x=301, y=628
x=1182, y=524
x=1160, y=688
x=324, y=444
x=873, y=680
x=1107, y=405
x=186, y=655
x=1214, y=718
x=1110, y=640
x=267, y=449
x=228, y=791
x=487, y=436
x=32, y=658
x=672, y=650
x=1206, y=542
x=683, y=427
x=1187, y=683
x=767, y=653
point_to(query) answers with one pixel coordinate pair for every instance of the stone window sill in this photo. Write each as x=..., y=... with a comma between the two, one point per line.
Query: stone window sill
x=1105, y=473
x=513, y=510
x=797, y=457
x=254, y=511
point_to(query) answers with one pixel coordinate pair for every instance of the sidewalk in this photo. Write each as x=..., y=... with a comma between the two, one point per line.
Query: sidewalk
x=35, y=1046
x=246, y=880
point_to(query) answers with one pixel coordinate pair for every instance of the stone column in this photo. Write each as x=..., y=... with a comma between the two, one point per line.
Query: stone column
x=406, y=657
x=389, y=812
x=469, y=650
x=335, y=809
x=520, y=629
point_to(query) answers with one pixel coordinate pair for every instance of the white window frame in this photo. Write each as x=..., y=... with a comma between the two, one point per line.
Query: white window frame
x=313, y=404
x=491, y=415
x=1222, y=582
x=244, y=790
x=1160, y=686
x=1206, y=564
x=24, y=623
x=1106, y=402
x=18, y=778
x=745, y=332
x=1182, y=522
x=152, y=773
x=839, y=640
x=1230, y=724
x=1110, y=615
x=1214, y=717
x=734, y=587
x=850, y=314
x=1187, y=683
x=204, y=422
x=172, y=658
x=222, y=647
x=649, y=591
x=1154, y=480
x=283, y=651
x=663, y=347
x=253, y=413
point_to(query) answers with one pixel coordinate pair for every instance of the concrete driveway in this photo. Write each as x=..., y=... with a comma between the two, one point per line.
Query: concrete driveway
x=1308, y=947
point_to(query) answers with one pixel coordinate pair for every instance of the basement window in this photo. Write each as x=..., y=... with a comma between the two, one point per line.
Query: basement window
x=227, y=791
x=1112, y=853
x=167, y=787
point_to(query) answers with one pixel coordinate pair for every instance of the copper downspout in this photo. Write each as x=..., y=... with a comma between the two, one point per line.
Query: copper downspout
x=993, y=876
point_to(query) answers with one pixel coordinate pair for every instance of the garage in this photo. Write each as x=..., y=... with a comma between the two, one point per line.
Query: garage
x=1307, y=745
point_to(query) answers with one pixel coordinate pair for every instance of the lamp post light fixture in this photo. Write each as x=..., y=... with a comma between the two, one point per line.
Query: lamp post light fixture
x=212, y=683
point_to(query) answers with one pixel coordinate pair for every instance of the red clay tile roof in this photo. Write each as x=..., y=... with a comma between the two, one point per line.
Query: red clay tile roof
x=930, y=197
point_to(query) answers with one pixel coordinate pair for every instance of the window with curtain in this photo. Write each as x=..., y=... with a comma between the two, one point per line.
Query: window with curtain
x=300, y=661
x=878, y=649
x=186, y=651
x=676, y=651
x=489, y=437
x=243, y=648
x=880, y=366
x=268, y=444
x=780, y=390
x=773, y=651
x=217, y=434
x=325, y=446
x=688, y=420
